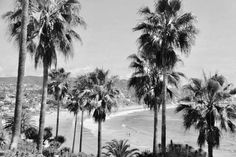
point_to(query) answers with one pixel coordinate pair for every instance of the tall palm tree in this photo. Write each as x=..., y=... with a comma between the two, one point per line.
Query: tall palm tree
x=21, y=69
x=164, y=30
x=58, y=86
x=50, y=29
x=104, y=99
x=82, y=91
x=73, y=106
x=55, y=31
x=208, y=107
x=147, y=83
x=80, y=101
x=119, y=148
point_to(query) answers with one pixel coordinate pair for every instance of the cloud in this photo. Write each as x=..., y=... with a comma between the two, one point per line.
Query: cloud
x=78, y=71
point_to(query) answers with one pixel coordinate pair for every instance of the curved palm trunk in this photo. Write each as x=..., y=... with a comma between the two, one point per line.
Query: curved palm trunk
x=99, y=138
x=43, y=108
x=163, y=127
x=81, y=131
x=58, y=115
x=155, y=131
x=20, y=77
x=75, y=127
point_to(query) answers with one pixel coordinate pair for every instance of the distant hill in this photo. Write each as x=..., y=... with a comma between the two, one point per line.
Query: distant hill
x=28, y=79
x=37, y=80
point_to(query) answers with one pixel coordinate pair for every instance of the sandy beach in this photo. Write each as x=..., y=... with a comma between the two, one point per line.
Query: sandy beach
x=134, y=123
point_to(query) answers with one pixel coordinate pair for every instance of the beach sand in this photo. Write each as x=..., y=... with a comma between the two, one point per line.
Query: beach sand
x=134, y=123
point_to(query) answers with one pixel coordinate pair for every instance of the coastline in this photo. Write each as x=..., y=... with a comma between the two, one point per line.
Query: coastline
x=66, y=126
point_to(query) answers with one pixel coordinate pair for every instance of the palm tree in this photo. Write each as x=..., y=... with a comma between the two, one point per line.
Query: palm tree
x=79, y=101
x=164, y=30
x=73, y=106
x=50, y=29
x=58, y=86
x=119, y=149
x=54, y=29
x=21, y=69
x=147, y=83
x=103, y=97
x=208, y=107
x=82, y=91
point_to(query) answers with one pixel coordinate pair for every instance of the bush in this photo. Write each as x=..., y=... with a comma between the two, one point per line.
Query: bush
x=60, y=139
x=20, y=154
x=176, y=150
x=4, y=140
x=25, y=149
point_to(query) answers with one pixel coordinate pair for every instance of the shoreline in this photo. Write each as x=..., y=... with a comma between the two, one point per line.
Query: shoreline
x=90, y=124
x=88, y=119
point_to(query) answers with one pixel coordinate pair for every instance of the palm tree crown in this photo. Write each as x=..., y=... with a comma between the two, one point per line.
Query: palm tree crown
x=103, y=94
x=165, y=29
x=50, y=28
x=119, y=149
x=208, y=107
x=58, y=85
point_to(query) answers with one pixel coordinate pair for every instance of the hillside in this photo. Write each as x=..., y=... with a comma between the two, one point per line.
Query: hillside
x=121, y=84
x=36, y=80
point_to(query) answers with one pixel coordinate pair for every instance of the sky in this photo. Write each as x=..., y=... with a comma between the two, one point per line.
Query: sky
x=108, y=39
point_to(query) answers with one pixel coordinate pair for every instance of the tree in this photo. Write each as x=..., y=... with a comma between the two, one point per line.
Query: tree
x=54, y=30
x=80, y=101
x=147, y=83
x=119, y=148
x=21, y=69
x=103, y=98
x=208, y=107
x=58, y=86
x=50, y=29
x=164, y=30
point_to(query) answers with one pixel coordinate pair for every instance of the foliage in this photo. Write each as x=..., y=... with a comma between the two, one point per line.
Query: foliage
x=163, y=30
x=176, y=150
x=103, y=94
x=58, y=85
x=32, y=134
x=79, y=99
x=209, y=108
x=119, y=149
x=51, y=23
x=147, y=80
x=47, y=133
x=26, y=149
x=4, y=140
x=26, y=122
x=60, y=139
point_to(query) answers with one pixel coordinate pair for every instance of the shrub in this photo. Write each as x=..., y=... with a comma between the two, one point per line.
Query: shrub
x=60, y=139
x=176, y=150
x=4, y=140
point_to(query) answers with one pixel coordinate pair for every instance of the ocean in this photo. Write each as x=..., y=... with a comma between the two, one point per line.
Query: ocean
x=137, y=126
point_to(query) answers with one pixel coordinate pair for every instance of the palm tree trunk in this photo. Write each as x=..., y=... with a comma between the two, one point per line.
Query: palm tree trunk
x=99, y=138
x=75, y=127
x=0, y=122
x=58, y=114
x=43, y=107
x=163, y=127
x=81, y=131
x=155, y=131
x=210, y=150
x=20, y=77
